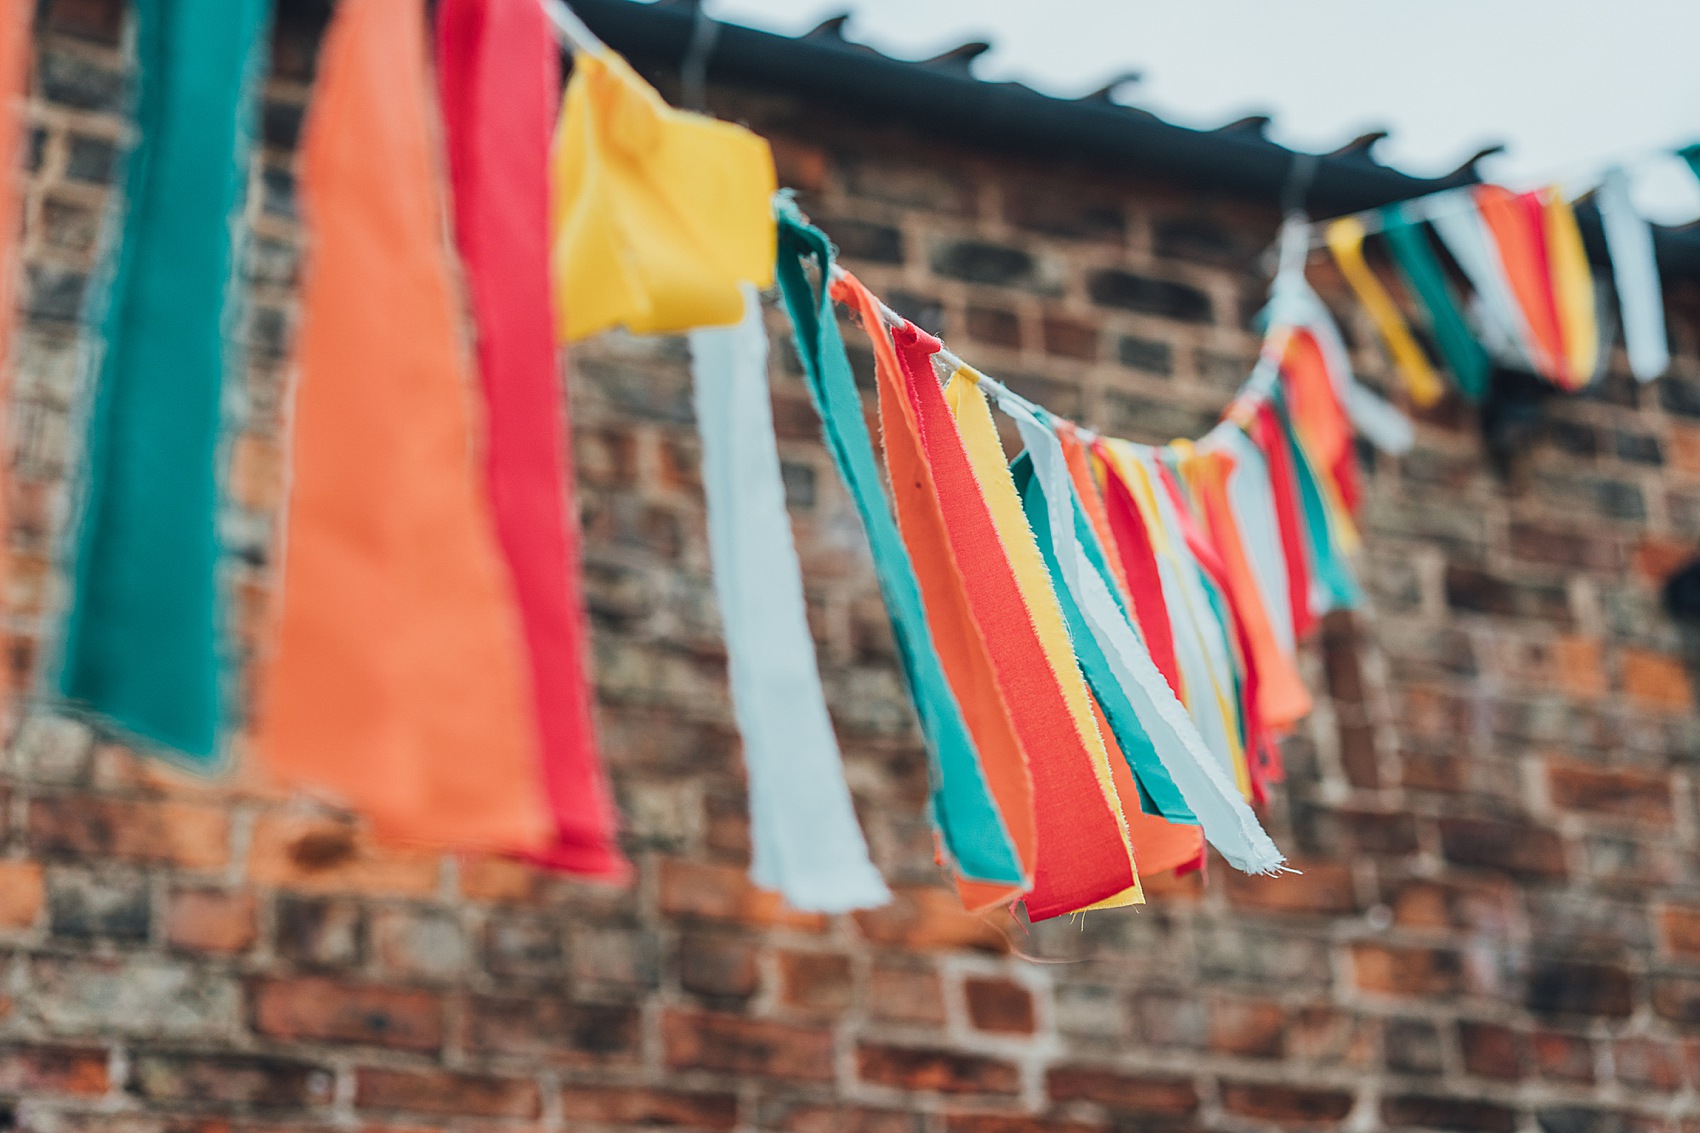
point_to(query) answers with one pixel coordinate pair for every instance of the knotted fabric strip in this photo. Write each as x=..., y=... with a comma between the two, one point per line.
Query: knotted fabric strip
x=971, y=829
x=1635, y=271
x=499, y=73
x=807, y=843
x=399, y=683
x=143, y=642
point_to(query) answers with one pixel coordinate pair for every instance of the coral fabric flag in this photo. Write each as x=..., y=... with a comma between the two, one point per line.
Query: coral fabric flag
x=1132, y=545
x=499, y=73
x=1517, y=223
x=398, y=684
x=15, y=25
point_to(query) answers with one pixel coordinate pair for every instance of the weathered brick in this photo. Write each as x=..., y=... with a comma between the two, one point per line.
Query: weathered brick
x=1562, y=1057
x=86, y=905
x=1656, y=680
x=738, y=1045
x=326, y=856
x=927, y=917
x=1122, y=1092
x=905, y=993
x=1286, y=1105
x=649, y=1108
x=1165, y=298
x=36, y=1070
x=1407, y=971
x=1648, y=1064
x=708, y=891
x=1615, y=791
x=1563, y=987
x=325, y=1010
x=975, y=261
x=816, y=981
x=999, y=1005
x=1432, y=1112
x=1320, y=888
x=210, y=920
x=23, y=893
x=229, y=1079
x=1492, y=1051
x=718, y=966
x=436, y=1091
x=320, y=932
x=551, y=1027
x=173, y=833
x=1247, y=1027
x=940, y=1071
x=1516, y=848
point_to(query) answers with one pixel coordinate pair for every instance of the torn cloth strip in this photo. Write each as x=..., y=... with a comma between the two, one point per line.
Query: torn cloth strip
x=1345, y=240
x=1635, y=271
x=1572, y=288
x=15, y=24
x=967, y=816
x=398, y=682
x=962, y=645
x=1132, y=544
x=1228, y=822
x=1470, y=243
x=143, y=642
x=1080, y=859
x=499, y=74
x=1516, y=226
x=807, y=844
x=1421, y=271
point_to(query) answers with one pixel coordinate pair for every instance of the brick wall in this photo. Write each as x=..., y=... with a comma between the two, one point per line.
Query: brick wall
x=1498, y=923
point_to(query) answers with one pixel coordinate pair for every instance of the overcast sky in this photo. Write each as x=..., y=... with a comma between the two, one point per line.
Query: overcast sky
x=1567, y=85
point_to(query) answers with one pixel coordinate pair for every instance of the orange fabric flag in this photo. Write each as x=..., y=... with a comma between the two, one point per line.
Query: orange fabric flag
x=14, y=80
x=1158, y=844
x=1518, y=224
x=398, y=684
x=1081, y=471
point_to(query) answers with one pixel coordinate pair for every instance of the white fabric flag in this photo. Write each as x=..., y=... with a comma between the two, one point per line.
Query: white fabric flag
x=807, y=843
x=1635, y=270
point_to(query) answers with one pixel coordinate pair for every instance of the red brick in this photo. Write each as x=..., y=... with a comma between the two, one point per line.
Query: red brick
x=1581, y=667
x=328, y=1010
x=700, y=1040
x=1679, y=930
x=437, y=1091
x=1127, y=1093
x=1657, y=680
x=1562, y=1057
x=551, y=1027
x=926, y=918
x=1645, y=795
x=1648, y=1064
x=1411, y=972
x=23, y=891
x=1001, y=1006
x=1493, y=1051
x=717, y=966
x=1464, y=1114
x=1286, y=1105
x=167, y=833
x=815, y=981
x=1517, y=848
x=668, y=1109
x=848, y=1119
x=1003, y=1123
x=37, y=1070
x=319, y=855
x=1070, y=338
x=941, y=1071
x=710, y=891
x=905, y=993
x=1320, y=888
x=229, y=1079
x=1247, y=1027
x=210, y=920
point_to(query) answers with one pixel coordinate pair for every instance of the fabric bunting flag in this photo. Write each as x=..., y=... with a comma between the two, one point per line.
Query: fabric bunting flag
x=1572, y=281
x=660, y=215
x=963, y=650
x=1420, y=269
x=1516, y=225
x=143, y=644
x=971, y=829
x=399, y=684
x=1635, y=271
x=1465, y=233
x=807, y=844
x=15, y=26
x=1345, y=240
x=499, y=73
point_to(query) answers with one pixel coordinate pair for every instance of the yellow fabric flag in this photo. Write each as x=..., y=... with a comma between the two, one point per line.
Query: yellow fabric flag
x=658, y=214
x=1346, y=241
x=1572, y=289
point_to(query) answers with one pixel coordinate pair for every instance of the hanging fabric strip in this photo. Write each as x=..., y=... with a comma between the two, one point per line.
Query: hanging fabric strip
x=15, y=26
x=807, y=844
x=498, y=68
x=968, y=820
x=1091, y=499
x=961, y=642
x=1421, y=271
x=1228, y=822
x=1345, y=240
x=1139, y=566
x=399, y=684
x=1635, y=272
x=1124, y=735
x=1303, y=312
x=1572, y=288
x=1267, y=435
x=1470, y=243
x=1327, y=552
x=1517, y=231
x=659, y=213
x=1080, y=849
x=144, y=640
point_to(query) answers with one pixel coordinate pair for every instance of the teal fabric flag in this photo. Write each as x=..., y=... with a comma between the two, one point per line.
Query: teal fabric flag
x=972, y=829
x=1157, y=791
x=142, y=644
x=1421, y=272
x=1331, y=571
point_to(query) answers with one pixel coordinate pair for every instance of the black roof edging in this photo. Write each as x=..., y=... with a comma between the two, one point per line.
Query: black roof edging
x=1009, y=117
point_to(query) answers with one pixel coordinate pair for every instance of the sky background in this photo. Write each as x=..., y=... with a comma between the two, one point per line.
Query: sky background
x=1568, y=86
